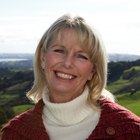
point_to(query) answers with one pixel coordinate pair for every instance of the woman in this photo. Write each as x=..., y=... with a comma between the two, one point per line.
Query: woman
x=70, y=72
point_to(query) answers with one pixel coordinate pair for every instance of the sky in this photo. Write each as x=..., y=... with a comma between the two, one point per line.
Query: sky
x=23, y=22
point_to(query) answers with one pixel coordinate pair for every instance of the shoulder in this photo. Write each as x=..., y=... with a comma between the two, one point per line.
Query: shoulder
x=23, y=117
x=29, y=116
x=116, y=121
x=116, y=112
x=16, y=126
x=29, y=121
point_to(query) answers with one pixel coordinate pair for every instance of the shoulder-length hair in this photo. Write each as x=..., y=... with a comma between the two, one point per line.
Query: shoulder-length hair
x=90, y=42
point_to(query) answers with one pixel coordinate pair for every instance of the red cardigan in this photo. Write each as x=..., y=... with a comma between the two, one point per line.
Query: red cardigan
x=116, y=123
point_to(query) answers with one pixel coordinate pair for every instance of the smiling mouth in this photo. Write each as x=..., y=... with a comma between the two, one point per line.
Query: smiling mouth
x=65, y=76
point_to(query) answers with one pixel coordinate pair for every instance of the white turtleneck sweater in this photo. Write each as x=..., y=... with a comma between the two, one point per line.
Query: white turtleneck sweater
x=74, y=120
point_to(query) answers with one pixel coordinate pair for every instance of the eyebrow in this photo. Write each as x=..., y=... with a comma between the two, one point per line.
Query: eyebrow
x=62, y=46
x=57, y=45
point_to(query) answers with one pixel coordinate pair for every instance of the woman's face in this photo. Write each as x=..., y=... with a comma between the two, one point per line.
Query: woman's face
x=66, y=66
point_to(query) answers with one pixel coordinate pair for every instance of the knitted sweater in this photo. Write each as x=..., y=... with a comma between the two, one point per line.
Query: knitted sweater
x=73, y=120
x=116, y=123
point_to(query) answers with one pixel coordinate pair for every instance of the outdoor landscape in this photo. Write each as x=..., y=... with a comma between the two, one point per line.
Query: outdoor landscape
x=16, y=78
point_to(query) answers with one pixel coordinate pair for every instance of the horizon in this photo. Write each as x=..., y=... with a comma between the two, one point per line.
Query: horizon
x=30, y=53
x=22, y=23
x=111, y=57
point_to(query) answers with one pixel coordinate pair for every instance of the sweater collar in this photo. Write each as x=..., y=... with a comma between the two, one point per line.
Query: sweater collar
x=69, y=113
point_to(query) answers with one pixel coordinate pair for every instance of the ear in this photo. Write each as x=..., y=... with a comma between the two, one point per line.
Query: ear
x=91, y=75
x=42, y=59
x=93, y=71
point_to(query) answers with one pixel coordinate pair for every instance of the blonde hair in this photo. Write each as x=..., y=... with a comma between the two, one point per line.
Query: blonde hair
x=90, y=42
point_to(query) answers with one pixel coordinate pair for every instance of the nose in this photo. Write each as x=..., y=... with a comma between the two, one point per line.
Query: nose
x=68, y=61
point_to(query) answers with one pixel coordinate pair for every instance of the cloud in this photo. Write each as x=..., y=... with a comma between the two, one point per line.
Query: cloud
x=117, y=21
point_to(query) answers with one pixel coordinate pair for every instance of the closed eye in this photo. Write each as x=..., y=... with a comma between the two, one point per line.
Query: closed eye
x=59, y=50
x=83, y=57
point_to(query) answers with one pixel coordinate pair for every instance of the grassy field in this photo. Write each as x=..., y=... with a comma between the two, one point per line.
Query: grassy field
x=114, y=86
x=21, y=108
x=6, y=98
x=131, y=102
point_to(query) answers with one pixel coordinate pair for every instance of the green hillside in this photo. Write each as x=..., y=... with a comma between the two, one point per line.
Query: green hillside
x=127, y=89
x=131, y=102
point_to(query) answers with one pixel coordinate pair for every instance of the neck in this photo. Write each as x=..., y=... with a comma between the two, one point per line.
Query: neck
x=56, y=97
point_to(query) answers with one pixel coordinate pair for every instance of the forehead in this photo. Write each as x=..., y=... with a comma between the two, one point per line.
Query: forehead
x=67, y=34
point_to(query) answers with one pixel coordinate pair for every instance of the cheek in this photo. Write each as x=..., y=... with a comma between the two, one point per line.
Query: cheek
x=86, y=71
x=50, y=60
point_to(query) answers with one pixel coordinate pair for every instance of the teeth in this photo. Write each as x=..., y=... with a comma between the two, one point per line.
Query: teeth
x=65, y=76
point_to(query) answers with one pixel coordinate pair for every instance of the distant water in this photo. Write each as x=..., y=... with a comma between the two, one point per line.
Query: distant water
x=11, y=59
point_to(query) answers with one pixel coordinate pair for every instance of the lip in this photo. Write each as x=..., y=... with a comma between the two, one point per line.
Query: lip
x=66, y=73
